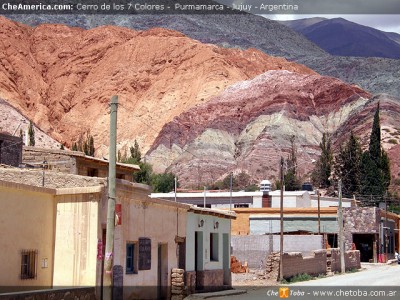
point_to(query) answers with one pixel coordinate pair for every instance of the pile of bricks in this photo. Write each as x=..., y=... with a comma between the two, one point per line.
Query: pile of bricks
x=237, y=267
x=272, y=266
x=178, y=286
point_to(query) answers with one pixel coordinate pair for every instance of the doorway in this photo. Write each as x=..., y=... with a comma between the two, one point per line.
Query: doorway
x=198, y=254
x=365, y=243
x=162, y=272
x=226, y=258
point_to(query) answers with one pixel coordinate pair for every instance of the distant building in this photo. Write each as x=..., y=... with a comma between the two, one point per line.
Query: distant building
x=265, y=186
x=74, y=162
x=10, y=149
x=54, y=228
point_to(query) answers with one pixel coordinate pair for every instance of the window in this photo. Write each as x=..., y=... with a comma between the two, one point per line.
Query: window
x=28, y=264
x=240, y=205
x=131, y=257
x=214, y=246
x=92, y=172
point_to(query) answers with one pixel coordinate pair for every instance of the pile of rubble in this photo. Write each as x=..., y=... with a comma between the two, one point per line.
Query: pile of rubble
x=237, y=267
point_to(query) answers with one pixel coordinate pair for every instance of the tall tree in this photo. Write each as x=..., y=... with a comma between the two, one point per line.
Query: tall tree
x=136, y=155
x=375, y=169
x=31, y=134
x=347, y=166
x=292, y=183
x=375, y=152
x=323, y=168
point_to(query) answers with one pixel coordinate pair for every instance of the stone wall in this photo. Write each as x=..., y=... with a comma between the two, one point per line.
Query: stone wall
x=254, y=249
x=210, y=280
x=190, y=282
x=10, y=150
x=177, y=284
x=51, y=178
x=359, y=220
x=54, y=294
x=58, y=160
x=272, y=266
x=351, y=260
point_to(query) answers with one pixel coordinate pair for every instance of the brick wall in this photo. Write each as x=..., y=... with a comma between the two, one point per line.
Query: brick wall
x=241, y=225
x=54, y=294
x=10, y=150
x=351, y=260
x=294, y=263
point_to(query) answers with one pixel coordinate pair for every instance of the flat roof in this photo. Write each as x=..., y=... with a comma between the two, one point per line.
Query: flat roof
x=288, y=193
x=208, y=195
x=51, y=191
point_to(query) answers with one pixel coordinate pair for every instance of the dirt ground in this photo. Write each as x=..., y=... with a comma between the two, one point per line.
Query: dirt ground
x=254, y=278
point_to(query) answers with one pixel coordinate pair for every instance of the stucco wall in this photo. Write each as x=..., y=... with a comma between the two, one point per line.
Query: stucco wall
x=156, y=220
x=208, y=227
x=27, y=223
x=76, y=240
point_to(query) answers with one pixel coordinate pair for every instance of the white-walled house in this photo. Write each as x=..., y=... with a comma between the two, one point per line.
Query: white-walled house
x=208, y=248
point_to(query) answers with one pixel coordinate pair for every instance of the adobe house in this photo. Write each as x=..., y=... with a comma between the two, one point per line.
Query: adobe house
x=41, y=234
x=10, y=149
x=208, y=249
x=74, y=162
x=60, y=242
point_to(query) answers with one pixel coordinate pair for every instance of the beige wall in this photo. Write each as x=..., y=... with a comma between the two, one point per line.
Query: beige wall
x=143, y=217
x=76, y=240
x=26, y=222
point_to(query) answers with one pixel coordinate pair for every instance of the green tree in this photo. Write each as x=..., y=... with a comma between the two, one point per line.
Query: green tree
x=163, y=183
x=31, y=134
x=292, y=183
x=74, y=147
x=347, y=166
x=91, y=145
x=375, y=169
x=136, y=155
x=323, y=168
x=145, y=173
x=61, y=146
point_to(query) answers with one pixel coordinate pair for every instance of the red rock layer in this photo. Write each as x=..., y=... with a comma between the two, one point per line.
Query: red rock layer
x=63, y=77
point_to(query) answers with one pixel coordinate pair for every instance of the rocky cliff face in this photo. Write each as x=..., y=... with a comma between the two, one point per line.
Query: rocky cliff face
x=13, y=122
x=62, y=77
x=376, y=75
x=248, y=127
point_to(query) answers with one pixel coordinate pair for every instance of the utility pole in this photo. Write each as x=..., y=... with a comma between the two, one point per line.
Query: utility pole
x=386, y=230
x=175, y=188
x=230, y=199
x=341, y=235
x=319, y=213
x=108, y=260
x=281, y=224
x=204, y=205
